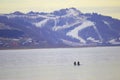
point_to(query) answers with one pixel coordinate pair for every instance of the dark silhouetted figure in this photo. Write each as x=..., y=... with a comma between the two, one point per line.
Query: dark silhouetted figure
x=75, y=63
x=78, y=63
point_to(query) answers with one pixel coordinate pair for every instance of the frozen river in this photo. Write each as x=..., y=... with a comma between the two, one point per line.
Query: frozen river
x=100, y=63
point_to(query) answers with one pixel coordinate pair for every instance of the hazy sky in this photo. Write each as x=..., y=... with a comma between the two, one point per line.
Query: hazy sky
x=106, y=7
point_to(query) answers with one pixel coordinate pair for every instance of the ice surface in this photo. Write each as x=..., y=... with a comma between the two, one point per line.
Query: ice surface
x=101, y=63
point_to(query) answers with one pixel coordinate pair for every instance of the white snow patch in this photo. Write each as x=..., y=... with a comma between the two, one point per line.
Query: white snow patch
x=29, y=16
x=92, y=39
x=56, y=28
x=79, y=20
x=70, y=43
x=61, y=27
x=105, y=22
x=74, y=33
x=41, y=23
x=72, y=12
x=98, y=33
x=12, y=16
x=113, y=41
x=29, y=40
x=37, y=16
x=16, y=39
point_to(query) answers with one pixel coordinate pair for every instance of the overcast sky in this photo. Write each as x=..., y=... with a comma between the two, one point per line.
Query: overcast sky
x=106, y=7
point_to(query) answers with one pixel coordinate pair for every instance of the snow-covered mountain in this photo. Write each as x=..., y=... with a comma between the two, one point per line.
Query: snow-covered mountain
x=63, y=28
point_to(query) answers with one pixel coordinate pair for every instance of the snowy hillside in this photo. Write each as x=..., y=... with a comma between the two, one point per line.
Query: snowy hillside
x=62, y=28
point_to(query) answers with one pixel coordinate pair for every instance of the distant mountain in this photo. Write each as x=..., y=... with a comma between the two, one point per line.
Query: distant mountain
x=62, y=28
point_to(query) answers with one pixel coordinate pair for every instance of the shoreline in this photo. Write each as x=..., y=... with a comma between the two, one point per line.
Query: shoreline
x=57, y=47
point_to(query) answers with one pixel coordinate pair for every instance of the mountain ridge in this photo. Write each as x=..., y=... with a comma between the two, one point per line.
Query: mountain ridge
x=61, y=28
